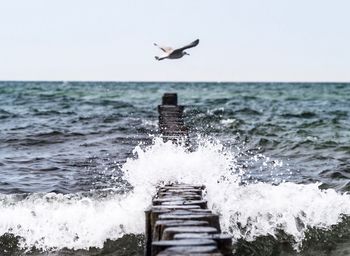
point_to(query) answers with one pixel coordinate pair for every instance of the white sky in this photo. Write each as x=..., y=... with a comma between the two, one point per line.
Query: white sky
x=241, y=40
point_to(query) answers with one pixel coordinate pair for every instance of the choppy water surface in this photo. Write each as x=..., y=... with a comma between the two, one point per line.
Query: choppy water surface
x=78, y=165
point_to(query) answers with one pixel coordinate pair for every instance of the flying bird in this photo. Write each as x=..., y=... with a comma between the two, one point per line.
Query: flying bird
x=170, y=53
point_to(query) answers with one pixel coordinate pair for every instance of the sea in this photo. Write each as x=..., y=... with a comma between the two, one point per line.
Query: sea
x=80, y=162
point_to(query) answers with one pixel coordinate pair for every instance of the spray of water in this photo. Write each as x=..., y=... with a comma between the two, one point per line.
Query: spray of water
x=56, y=221
x=246, y=211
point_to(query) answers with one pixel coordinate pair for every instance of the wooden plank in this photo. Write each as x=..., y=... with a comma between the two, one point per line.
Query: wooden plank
x=224, y=241
x=160, y=225
x=194, y=250
x=159, y=246
x=169, y=233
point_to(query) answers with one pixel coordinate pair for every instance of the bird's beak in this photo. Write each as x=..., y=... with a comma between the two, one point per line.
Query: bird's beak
x=187, y=53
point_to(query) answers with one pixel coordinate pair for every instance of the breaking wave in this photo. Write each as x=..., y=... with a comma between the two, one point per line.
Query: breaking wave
x=247, y=210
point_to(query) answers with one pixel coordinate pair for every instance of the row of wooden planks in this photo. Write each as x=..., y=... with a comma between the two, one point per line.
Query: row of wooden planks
x=178, y=222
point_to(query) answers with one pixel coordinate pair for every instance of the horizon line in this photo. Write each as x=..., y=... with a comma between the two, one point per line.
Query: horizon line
x=180, y=81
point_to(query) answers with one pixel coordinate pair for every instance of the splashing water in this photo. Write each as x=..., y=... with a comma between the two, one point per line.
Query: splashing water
x=165, y=162
x=245, y=211
x=55, y=221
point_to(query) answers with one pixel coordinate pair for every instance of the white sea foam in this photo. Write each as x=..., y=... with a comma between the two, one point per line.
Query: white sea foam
x=58, y=221
x=227, y=122
x=261, y=209
x=72, y=221
x=258, y=208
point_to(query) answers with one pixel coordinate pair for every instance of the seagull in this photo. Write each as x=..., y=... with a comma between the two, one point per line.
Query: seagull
x=170, y=53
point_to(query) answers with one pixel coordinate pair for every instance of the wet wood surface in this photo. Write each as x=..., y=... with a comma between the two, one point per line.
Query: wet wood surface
x=174, y=228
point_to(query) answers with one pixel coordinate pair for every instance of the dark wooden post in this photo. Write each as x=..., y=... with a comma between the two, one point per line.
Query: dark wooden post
x=169, y=99
x=171, y=123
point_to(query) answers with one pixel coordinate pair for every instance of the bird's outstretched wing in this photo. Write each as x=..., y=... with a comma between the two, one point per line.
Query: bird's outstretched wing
x=164, y=49
x=193, y=44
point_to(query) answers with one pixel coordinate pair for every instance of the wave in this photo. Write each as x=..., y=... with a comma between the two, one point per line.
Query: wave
x=305, y=114
x=57, y=221
x=6, y=114
x=248, y=212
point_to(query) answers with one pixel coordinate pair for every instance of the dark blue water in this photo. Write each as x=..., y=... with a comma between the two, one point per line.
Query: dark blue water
x=72, y=138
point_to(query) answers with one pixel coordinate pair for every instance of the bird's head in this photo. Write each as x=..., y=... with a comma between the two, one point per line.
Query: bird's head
x=186, y=53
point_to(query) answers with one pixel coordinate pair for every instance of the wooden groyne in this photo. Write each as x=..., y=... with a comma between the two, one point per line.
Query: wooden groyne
x=171, y=122
x=178, y=222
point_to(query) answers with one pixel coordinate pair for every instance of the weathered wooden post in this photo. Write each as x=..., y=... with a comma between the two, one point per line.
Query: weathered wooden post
x=171, y=123
x=169, y=99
